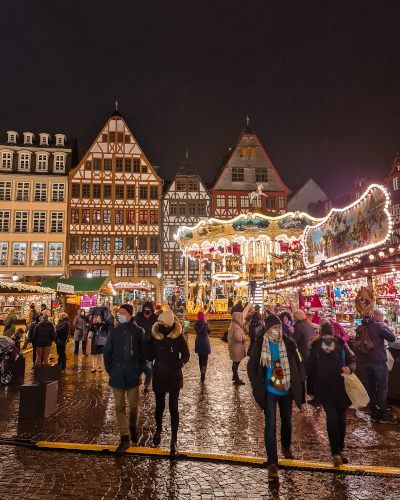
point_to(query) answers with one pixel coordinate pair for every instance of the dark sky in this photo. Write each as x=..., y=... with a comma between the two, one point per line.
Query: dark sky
x=320, y=80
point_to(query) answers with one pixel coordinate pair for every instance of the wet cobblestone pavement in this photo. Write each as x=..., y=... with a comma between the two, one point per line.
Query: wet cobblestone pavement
x=217, y=417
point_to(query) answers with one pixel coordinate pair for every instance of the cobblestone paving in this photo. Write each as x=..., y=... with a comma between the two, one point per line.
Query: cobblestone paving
x=217, y=417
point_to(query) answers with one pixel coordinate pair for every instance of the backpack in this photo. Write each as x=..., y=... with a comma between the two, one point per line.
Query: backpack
x=362, y=343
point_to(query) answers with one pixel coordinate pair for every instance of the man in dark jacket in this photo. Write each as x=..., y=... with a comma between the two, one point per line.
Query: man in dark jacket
x=376, y=368
x=146, y=319
x=302, y=334
x=123, y=361
x=43, y=336
x=62, y=336
x=277, y=377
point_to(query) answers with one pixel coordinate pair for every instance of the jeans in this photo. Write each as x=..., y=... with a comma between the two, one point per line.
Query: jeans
x=285, y=410
x=335, y=425
x=378, y=376
x=203, y=359
x=84, y=342
x=148, y=372
x=120, y=408
x=62, y=357
x=173, y=409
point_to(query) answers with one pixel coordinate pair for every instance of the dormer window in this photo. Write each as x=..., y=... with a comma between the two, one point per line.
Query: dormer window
x=44, y=139
x=41, y=162
x=12, y=137
x=28, y=138
x=60, y=139
x=59, y=163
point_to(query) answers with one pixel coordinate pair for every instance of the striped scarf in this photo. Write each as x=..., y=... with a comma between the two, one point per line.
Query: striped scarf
x=266, y=359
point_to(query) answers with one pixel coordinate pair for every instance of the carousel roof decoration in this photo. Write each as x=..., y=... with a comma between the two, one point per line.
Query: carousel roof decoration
x=16, y=287
x=127, y=285
x=225, y=276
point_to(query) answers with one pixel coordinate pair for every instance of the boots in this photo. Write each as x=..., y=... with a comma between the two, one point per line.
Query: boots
x=273, y=473
x=203, y=373
x=174, y=446
x=287, y=453
x=134, y=437
x=123, y=445
x=157, y=437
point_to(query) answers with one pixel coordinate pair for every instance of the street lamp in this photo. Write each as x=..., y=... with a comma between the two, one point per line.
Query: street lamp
x=89, y=274
x=15, y=277
x=159, y=275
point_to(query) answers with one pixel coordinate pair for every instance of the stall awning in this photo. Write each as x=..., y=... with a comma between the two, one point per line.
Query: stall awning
x=81, y=285
x=18, y=288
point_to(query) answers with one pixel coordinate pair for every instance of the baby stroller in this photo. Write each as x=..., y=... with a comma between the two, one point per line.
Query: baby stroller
x=7, y=351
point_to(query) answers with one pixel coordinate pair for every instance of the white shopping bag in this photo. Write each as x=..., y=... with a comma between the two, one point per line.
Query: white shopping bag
x=390, y=360
x=355, y=390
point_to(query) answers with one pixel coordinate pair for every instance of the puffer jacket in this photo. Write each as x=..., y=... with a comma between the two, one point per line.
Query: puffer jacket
x=202, y=343
x=44, y=334
x=62, y=331
x=236, y=338
x=170, y=353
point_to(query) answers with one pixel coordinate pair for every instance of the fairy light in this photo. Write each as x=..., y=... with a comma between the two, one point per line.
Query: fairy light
x=371, y=257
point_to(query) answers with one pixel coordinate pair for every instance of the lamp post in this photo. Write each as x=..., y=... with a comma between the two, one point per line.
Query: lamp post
x=159, y=275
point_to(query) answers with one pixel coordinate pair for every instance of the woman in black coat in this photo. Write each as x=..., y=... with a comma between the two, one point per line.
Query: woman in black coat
x=169, y=351
x=256, y=328
x=62, y=336
x=202, y=344
x=97, y=351
x=329, y=358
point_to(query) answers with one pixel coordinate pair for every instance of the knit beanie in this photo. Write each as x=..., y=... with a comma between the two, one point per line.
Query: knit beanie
x=127, y=308
x=200, y=315
x=158, y=307
x=326, y=329
x=271, y=321
x=165, y=308
x=167, y=317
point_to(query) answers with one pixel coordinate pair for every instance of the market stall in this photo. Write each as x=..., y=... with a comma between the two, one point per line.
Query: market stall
x=128, y=292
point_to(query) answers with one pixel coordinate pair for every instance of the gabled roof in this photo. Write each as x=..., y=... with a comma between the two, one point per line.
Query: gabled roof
x=186, y=168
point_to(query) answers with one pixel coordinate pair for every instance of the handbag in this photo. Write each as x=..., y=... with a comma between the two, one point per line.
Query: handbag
x=354, y=387
x=101, y=337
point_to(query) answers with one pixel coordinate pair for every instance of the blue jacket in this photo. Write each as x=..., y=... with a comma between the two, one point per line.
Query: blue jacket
x=123, y=367
x=378, y=334
x=202, y=343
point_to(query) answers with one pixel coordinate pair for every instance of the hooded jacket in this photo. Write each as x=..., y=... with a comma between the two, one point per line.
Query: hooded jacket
x=285, y=326
x=236, y=338
x=237, y=308
x=81, y=327
x=378, y=334
x=44, y=334
x=62, y=331
x=170, y=353
x=257, y=372
x=146, y=323
x=303, y=334
x=202, y=343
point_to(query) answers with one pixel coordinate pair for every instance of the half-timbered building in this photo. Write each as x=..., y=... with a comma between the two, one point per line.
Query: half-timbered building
x=114, y=214
x=185, y=201
x=245, y=167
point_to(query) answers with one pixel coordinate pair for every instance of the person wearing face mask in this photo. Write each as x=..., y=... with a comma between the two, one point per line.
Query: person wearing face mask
x=124, y=362
x=329, y=358
x=146, y=319
x=169, y=351
x=277, y=377
x=81, y=323
x=96, y=348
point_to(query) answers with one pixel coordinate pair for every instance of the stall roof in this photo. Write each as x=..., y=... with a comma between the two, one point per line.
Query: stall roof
x=16, y=288
x=81, y=285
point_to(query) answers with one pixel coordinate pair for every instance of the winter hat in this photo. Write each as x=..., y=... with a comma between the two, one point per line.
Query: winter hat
x=149, y=305
x=326, y=329
x=165, y=308
x=315, y=319
x=167, y=317
x=299, y=314
x=271, y=321
x=200, y=315
x=316, y=304
x=158, y=307
x=128, y=308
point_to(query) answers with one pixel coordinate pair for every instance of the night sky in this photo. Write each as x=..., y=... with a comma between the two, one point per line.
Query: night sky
x=319, y=80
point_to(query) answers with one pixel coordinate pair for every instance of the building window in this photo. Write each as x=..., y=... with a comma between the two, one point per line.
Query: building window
x=107, y=164
x=128, y=165
x=147, y=271
x=37, y=254
x=58, y=192
x=153, y=193
x=106, y=244
x=85, y=190
x=153, y=217
x=244, y=201
x=59, y=165
x=74, y=244
x=104, y=138
x=19, y=254
x=96, y=244
x=88, y=165
x=181, y=185
x=153, y=245
x=103, y=273
x=85, y=244
x=168, y=262
x=127, y=139
x=3, y=254
x=130, y=192
x=396, y=183
x=107, y=191
x=270, y=202
x=43, y=139
x=97, y=164
x=193, y=265
x=220, y=200
x=74, y=216
x=129, y=243
x=40, y=191
x=97, y=191
x=96, y=217
x=60, y=140
x=143, y=244
x=143, y=217
x=4, y=221
x=39, y=222
x=28, y=139
x=192, y=208
x=120, y=137
x=106, y=216
x=261, y=175
x=237, y=174
x=232, y=201
x=112, y=137
x=57, y=222
x=173, y=208
x=5, y=191
x=21, y=222
x=252, y=151
x=201, y=208
x=123, y=272
x=193, y=185
x=76, y=190
x=179, y=262
x=136, y=165
x=118, y=245
x=130, y=217
x=119, y=217
x=254, y=202
x=244, y=151
x=173, y=230
x=6, y=160
x=396, y=209
x=55, y=255
x=143, y=192
x=85, y=216
x=24, y=161
x=119, y=192
x=182, y=208
x=281, y=202
x=118, y=164
x=42, y=162
x=144, y=169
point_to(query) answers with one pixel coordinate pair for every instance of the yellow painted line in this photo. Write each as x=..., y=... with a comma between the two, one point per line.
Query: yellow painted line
x=296, y=464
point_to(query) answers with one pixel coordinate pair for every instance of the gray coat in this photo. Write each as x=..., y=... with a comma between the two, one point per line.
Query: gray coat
x=236, y=338
x=81, y=328
x=303, y=334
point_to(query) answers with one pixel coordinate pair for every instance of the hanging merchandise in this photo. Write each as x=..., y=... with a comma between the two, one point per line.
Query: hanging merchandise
x=315, y=319
x=364, y=301
x=316, y=304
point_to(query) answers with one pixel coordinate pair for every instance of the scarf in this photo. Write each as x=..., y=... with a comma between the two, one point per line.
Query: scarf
x=266, y=359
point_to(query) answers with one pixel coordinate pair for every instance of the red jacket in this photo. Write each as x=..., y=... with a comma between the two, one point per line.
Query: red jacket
x=340, y=331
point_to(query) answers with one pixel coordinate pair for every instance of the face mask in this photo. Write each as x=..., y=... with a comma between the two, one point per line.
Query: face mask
x=147, y=313
x=275, y=335
x=328, y=344
x=121, y=319
x=82, y=313
x=163, y=329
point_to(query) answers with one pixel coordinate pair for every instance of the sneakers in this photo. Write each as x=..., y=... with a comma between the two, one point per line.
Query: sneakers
x=387, y=418
x=345, y=460
x=287, y=453
x=337, y=461
x=123, y=445
x=374, y=417
x=273, y=473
